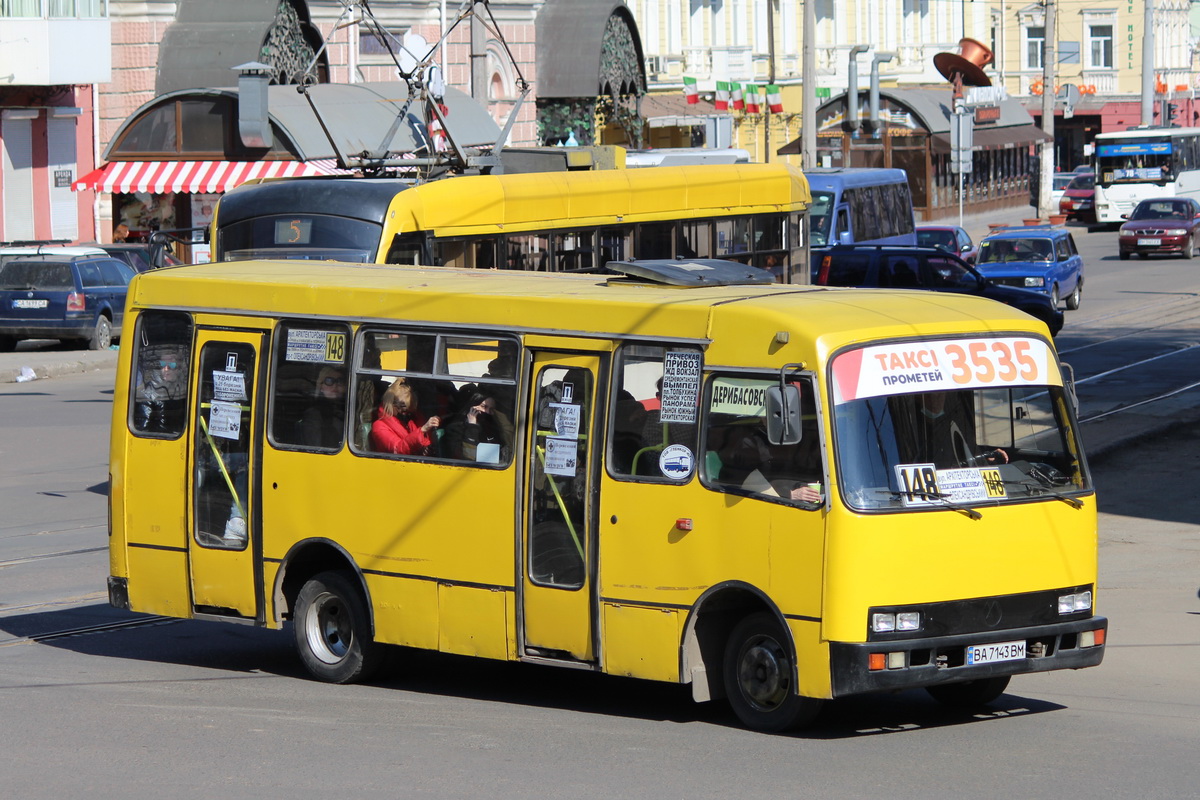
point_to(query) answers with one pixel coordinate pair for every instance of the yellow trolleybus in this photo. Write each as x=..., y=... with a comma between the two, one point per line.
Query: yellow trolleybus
x=546, y=221
x=776, y=494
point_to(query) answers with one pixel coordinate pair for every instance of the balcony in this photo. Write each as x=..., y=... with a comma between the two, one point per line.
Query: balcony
x=54, y=42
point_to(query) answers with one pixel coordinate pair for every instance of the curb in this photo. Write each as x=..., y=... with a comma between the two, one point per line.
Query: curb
x=43, y=367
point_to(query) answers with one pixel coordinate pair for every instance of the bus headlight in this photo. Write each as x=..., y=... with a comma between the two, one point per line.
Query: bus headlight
x=1074, y=603
x=1035, y=281
x=891, y=622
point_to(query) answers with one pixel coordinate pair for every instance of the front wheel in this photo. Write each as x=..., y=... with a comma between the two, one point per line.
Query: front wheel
x=101, y=338
x=1124, y=256
x=1189, y=252
x=969, y=694
x=332, y=630
x=760, y=677
x=1076, y=296
x=1055, y=300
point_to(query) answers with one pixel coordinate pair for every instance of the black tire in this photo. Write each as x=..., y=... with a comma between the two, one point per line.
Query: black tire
x=102, y=335
x=1189, y=252
x=1076, y=296
x=8, y=344
x=1124, y=256
x=1143, y=256
x=760, y=677
x=1055, y=300
x=332, y=630
x=969, y=694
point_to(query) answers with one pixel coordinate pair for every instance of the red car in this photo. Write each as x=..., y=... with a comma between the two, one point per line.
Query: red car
x=1161, y=225
x=1079, y=198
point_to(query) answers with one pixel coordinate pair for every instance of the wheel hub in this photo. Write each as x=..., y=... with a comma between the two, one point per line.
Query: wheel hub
x=764, y=674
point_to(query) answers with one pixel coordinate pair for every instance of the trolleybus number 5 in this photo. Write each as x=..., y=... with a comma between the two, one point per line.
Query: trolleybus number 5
x=991, y=361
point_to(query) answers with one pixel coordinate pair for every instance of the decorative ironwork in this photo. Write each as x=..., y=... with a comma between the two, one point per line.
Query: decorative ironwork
x=621, y=83
x=286, y=49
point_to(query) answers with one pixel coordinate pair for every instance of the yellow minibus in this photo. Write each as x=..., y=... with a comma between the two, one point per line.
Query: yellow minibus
x=678, y=472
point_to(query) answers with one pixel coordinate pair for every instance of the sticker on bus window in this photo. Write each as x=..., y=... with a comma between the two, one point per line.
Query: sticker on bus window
x=680, y=387
x=562, y=457
x=229, y=385
x=744, y=397
x=320, y=347
x=225, y=419
x=939, y=365
x=566, y=420
x=676, y=461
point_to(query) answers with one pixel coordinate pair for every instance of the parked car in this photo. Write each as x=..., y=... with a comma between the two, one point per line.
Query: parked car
x=1162, y=225
x=1040, y=258
x=9, y=252
x=950, y=238
x=932, y=268
x=1078, y=201
x=1061, y=180
x=139, y=255
x=63, y=297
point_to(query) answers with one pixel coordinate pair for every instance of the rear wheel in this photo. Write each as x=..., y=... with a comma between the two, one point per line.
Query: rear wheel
x=969, y=693
x=760, y=677
x=332, y=630
x=8, y=344
x=1076, y=296
x=102, y=335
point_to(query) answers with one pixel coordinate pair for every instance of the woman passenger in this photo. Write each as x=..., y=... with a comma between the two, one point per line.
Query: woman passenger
x=401, y=428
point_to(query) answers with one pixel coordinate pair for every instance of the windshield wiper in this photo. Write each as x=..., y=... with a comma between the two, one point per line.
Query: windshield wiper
x=1039, y=490
x=942, y=496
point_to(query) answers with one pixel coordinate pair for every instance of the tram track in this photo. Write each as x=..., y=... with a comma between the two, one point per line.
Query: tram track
x=87, y=630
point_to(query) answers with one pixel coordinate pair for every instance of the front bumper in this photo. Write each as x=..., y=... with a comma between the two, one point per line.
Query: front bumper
x=929, y=662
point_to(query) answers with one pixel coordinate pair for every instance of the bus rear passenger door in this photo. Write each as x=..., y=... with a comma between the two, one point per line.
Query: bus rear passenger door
x=226, y=433
x=558, y=539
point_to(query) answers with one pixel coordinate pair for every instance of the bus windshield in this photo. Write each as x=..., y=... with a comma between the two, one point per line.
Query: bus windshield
x=300, y=236
x=1134, y=161
x=988, y=424
x=820, y=214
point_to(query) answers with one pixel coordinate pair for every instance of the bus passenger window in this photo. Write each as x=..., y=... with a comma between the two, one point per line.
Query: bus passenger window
x=309, y=391
x=695, y=239
x=655, y=407
x=408, y=248
x=739, y=458
x=440, y=396
x=162, y=353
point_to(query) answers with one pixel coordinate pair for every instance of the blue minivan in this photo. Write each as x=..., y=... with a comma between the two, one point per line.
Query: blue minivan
x=1040, y=258
x=63, y=297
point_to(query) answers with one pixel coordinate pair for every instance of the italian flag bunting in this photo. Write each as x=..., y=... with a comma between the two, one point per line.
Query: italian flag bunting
x=774, y=100
x=690, y=91
x=752, y=101
x=722, y=101
x=738, y=102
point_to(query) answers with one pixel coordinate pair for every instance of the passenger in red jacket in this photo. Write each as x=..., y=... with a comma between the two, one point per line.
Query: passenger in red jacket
x=400, y=427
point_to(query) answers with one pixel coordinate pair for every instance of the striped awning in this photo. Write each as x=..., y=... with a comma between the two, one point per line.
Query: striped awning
x=158, y=177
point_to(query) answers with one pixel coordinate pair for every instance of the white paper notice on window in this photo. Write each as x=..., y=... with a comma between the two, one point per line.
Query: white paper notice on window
x=562, y=457
x=566, y=420
x=680, y=387
x=229, y=385
x=225, y=419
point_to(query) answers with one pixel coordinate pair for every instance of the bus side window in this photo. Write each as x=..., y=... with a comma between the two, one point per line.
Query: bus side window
x=639, y=428
x=309, y=392
x=162, y=353
x=409, y=248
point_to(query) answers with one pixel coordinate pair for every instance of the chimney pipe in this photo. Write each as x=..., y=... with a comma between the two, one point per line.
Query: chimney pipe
x=254, y=126
x=852, y=92
x=873, y=118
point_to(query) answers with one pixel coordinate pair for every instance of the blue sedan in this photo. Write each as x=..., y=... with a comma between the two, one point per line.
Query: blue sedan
x=1040, y=258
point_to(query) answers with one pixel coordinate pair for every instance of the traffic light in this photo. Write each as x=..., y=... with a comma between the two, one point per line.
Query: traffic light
x=1172, y=112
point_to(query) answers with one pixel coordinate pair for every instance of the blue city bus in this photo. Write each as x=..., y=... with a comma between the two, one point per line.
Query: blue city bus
x=860, y=206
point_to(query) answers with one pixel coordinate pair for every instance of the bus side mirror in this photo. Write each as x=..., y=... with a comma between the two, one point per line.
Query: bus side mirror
x=783, y=414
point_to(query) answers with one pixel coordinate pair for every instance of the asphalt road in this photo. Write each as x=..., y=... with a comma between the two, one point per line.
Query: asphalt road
x=100, y=702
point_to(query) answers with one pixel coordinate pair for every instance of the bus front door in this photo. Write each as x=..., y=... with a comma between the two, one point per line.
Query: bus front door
x=558, y=532
x=223, y=539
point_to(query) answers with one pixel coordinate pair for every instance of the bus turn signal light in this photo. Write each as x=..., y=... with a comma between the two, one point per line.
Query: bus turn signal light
x=683, y=524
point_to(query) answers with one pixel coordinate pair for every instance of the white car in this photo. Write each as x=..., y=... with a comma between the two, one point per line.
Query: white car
x=48, y=249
